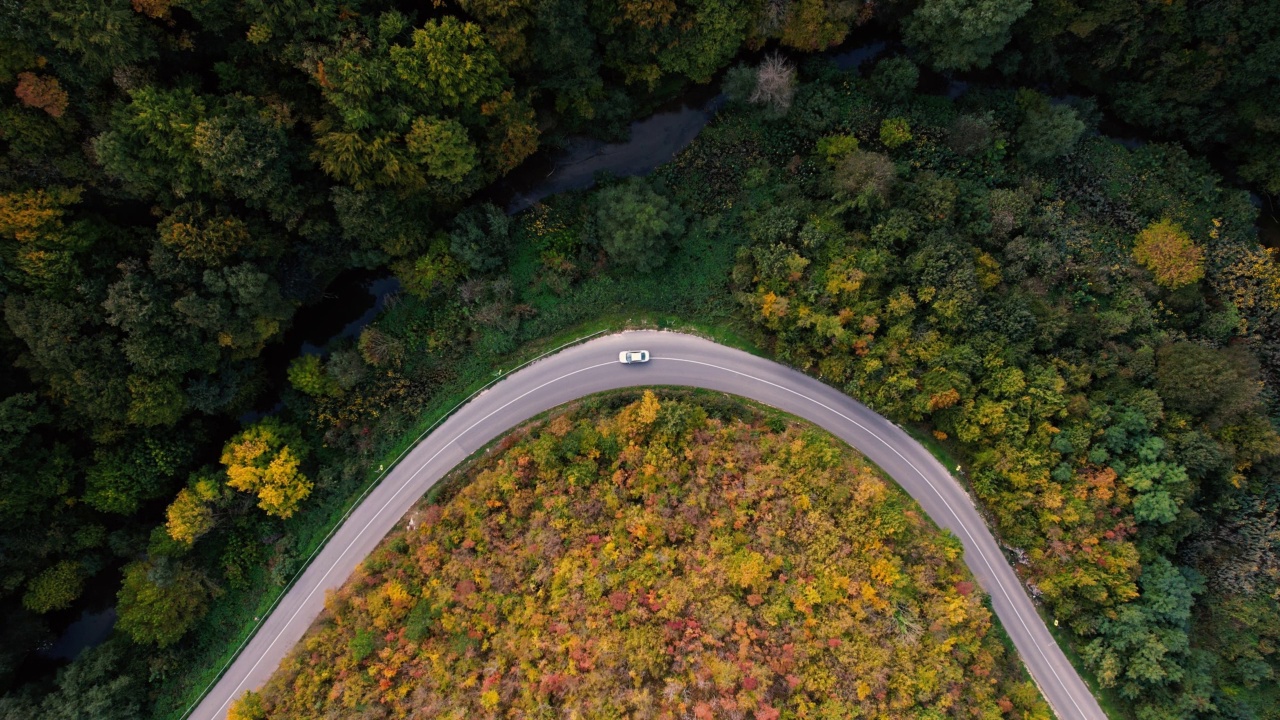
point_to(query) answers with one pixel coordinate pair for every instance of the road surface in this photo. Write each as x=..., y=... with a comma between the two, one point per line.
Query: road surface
x=677, y=359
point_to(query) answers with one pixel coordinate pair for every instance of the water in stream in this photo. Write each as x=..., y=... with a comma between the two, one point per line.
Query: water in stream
x=91, y=628
x=356, y=297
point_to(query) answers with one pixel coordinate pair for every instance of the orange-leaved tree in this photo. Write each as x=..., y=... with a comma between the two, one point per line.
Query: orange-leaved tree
x=1168, y=252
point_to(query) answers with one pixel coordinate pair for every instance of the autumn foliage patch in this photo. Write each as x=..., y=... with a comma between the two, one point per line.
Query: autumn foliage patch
x=1168, y=252
x=654, y=562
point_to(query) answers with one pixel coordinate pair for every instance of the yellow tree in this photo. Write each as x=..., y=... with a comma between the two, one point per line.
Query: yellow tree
x=190, y=515
x=1167, y=251
x=248, y=707
x=264, y=460
x=36, y=238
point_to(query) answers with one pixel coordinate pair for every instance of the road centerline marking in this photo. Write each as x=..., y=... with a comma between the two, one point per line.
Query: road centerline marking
x=937, y=492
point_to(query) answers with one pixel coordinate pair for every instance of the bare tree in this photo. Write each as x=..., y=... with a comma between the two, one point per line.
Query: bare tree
x=775, y=84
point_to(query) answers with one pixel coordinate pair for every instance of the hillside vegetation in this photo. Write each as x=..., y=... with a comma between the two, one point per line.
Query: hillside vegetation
x=655, y=561
x=1092, y=328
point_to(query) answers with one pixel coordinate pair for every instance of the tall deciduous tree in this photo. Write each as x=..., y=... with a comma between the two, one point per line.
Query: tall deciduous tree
x=636, y=224
x=55, y=588
x=1047, y=130
x=40, y=240
x=264, y=460
x=430, y=107
x=962, y=34
x=1167, y=250
x=102, y=35
x=160, y=601
x=191, y=514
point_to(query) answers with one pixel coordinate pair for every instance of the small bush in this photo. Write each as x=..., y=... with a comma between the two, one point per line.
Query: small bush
x=971, y=134
x=739, y=83
x=834, y=148
x=895, y=132
x=307, y=374
x=362, y=645
x=895, y=79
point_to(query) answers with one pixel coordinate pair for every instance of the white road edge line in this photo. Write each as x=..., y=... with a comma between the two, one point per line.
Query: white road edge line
x=819, y=403
x=981, y=554
x=235, y=692
x=368, y=489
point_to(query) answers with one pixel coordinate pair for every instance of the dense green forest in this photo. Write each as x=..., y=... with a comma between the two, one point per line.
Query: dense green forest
x=725, y=563
x=1095, y=331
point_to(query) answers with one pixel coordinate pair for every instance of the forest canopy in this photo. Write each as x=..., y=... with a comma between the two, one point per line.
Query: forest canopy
x=945, y=231
x=659, y=557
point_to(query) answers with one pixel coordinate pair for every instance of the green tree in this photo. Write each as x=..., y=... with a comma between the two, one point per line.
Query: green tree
x=568, y=63
x=238, y=307
x=198, y=233
x=149, y=145
x=647, y=42
x=812, y=25
x=101, y=684
x=244, y=151
x=134, y=470
x=1156, y=507
x=1047, y=130
x=381, y=224
x=36, y=470
x=443, y=147
x=895, y=78
x=434, y=112
x=155, y=400
x=101, y=35
x=1219, y=385
x=970, y=135
x=181, y=143
x=480, y=237
x=962, y=34
x=739, y=83
x=636, y=224
x=1143, y=645
x=895, y=132
x=80, y=367
x=1199, y=74
x=429, y=273
x=307, y=374
x=160, y=601
x=713, y=31
x=55, y=588
x=39, y=242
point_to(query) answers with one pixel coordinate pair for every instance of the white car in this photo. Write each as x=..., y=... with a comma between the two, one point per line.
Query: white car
x=626, y=357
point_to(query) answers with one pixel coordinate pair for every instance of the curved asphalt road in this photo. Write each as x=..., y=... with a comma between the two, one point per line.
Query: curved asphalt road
x=677, y=359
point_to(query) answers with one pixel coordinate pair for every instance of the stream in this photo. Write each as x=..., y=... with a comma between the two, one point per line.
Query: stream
x=356, y=297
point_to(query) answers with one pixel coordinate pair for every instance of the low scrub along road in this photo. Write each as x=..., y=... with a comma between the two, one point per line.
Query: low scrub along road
x=677, y=359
